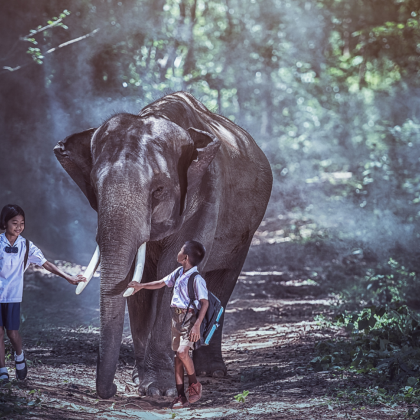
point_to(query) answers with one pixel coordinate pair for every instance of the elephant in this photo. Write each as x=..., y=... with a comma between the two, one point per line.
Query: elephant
x=172, y=173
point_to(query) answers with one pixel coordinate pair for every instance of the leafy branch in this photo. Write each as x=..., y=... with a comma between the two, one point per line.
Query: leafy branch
x=35, y=52
x=51, y=23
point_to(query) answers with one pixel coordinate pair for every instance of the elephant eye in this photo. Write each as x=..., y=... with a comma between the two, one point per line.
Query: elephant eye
x=158, y=192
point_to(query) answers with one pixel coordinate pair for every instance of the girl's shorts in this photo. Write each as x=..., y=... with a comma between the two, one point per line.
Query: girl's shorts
x=10, y=315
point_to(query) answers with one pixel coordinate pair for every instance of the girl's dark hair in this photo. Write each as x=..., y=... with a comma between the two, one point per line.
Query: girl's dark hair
x=8, y=212
x=195, y=251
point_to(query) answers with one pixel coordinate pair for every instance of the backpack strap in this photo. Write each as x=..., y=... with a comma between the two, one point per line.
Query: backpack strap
x=191, y=294
x=25, y=261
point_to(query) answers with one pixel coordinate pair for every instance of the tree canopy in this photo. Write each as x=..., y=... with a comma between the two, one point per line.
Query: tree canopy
x=328, y=89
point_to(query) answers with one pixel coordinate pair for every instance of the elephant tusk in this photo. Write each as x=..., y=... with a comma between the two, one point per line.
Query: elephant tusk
x=90, y=270
x=138, y=271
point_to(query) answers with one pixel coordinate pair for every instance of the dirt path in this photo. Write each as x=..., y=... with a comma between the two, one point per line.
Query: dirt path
x=269, y=340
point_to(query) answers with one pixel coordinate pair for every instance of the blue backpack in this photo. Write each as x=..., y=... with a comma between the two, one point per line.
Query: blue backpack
x=214, y=312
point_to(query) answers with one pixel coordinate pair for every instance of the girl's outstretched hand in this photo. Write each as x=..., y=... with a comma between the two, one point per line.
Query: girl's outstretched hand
x=75, y=279
x=52, y=268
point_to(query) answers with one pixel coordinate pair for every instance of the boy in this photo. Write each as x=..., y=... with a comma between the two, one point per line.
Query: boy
x=184, y=335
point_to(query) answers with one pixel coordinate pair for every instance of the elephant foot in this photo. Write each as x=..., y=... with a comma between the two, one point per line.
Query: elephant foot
x=219, y=373
x=214, y=370
x=106, y=392
x=157, y=389
x=205, y=365
x=157, y=379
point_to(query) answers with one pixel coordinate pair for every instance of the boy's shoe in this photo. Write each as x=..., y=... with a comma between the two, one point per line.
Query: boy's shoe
x=180, y=402
x=21, y=373
x=194, y=392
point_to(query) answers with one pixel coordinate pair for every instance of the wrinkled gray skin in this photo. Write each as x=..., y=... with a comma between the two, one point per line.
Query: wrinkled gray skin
x=173, y=173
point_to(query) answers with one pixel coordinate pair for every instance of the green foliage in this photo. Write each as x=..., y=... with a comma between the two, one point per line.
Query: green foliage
x=35, y=53
x=327, y=88
x=384, y=345
x=359, y=285
x=320, y=99
x=375, y=49
x=376, y=395
x=383, y=341
x=241, y=397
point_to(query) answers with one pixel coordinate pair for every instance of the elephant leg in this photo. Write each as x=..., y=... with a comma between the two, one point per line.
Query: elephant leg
x=159, y=376
x=208, y=360
x=142, y=314
x=158, y=369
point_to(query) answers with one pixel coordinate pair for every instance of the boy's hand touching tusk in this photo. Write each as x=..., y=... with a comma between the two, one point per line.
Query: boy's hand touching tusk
x=135, y=285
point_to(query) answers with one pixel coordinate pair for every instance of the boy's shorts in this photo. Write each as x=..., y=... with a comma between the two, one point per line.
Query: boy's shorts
x=181, y=333
x=10, y=315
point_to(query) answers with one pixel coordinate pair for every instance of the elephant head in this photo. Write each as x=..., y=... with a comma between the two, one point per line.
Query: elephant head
x=141, y=174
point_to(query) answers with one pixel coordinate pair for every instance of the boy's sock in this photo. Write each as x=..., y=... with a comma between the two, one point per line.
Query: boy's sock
x=180, y=389
x=2, y=373
x=192, y=379
x=19, y=359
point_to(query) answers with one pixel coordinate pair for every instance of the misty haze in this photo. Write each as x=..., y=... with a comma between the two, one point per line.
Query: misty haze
x=324, y=319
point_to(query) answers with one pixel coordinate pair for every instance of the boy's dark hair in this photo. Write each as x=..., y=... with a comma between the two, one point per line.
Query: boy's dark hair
x=8, y=212
x=195, y=251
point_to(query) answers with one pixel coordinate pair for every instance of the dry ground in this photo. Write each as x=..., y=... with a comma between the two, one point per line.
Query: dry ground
x=269, y=339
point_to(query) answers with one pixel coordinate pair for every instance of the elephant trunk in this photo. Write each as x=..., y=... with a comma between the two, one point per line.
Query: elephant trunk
x=118, y=242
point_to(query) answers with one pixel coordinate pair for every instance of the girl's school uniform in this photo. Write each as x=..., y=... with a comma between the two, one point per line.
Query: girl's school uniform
x=11, y=278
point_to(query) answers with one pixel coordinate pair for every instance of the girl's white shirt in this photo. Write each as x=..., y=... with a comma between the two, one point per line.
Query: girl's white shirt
x=11, y=268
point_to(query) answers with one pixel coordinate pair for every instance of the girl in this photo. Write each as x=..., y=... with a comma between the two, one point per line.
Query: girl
x=12, y=257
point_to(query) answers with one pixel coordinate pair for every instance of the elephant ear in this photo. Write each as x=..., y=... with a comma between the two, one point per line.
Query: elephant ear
x=75, y=156
x=206, y=145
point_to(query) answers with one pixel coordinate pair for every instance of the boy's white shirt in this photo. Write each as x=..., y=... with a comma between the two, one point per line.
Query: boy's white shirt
x=11, y=268
x=180, y=298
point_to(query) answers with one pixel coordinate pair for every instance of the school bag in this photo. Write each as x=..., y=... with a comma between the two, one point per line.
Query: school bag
x=25, y=261
x=214, y=312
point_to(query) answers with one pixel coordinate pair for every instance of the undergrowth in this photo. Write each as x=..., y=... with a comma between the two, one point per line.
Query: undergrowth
x=13, y=402
x=382, y=341
x=357, y=285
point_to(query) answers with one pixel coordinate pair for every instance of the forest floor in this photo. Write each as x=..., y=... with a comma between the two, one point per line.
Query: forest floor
x=269, y=339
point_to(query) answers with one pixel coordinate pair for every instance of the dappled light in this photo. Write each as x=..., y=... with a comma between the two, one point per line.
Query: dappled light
x=324, y=319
